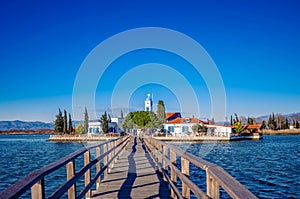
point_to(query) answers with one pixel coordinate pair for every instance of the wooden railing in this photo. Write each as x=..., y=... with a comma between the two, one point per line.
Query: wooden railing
x=106, y=151
x=165, y=156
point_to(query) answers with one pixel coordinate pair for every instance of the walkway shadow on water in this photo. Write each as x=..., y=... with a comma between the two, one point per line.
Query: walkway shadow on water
x=126, y=187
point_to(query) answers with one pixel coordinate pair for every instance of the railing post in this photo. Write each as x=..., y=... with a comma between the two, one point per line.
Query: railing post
x=38, y=190
x=87, y=175
x=165, y=153
x=212, y=187
x=114, y=147
x=173, y=174
x=105, y=146
x=160, y=153
x=185, y=169
x=70, y=174
x=98, y=167
x=109, y=156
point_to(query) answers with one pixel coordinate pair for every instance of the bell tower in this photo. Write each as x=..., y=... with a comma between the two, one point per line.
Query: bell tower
x=148, y=103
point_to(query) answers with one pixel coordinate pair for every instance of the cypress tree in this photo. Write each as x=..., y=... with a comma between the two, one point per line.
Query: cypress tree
x=263, y=124
x=286, y=123
x=59, y=123
x=231, y=120
x=297, y=124
x=104, y=123
x=86, y=120
x=65, y=126
x=274, y=121
x=122, y=116
x=161, y=112
x=270, y=122
x=70, y=124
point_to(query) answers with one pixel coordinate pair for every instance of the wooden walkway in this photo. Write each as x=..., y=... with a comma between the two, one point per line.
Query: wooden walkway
x=133, y=176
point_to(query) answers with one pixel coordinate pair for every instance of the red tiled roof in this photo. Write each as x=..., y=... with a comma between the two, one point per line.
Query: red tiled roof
x=169, y=115
x=253, y=126
x=185, y=120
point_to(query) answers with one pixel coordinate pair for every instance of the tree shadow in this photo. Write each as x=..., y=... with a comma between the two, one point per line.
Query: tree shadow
x=126, y=187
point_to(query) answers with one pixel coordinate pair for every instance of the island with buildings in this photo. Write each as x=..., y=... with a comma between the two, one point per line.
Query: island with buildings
x=173, y=128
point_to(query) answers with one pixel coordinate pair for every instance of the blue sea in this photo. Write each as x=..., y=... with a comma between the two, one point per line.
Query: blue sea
x=269, y=168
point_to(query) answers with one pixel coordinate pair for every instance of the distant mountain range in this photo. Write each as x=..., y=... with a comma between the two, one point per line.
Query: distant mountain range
x=290, y=116
x=22, y=125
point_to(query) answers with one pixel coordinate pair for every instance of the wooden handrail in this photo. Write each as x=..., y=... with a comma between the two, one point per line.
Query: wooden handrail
x=36, y=177
x=215, y=175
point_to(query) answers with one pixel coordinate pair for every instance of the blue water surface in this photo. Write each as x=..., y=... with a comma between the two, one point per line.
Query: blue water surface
x=269, y=168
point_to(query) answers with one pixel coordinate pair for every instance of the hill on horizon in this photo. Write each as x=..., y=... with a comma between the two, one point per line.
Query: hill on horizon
x=290, y=116
x=24, y=125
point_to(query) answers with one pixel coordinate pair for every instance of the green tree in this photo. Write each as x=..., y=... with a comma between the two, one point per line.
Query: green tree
x=238, y=127
x=155, y=122
x=141, y=119
x=161, y=113
x=197, y=128
x=270, y=122
x=79, y=129
x=236, y=119
x=65, y=127
x=86, y=120
x=70, y=124
x=128, y=122
x=297, y=125
x=274, y=121
x=104, y=123
x=122, y=116
x=285, y=124
x=59, y=122
x=231, y=120
x=250, y=121
x=263, y=124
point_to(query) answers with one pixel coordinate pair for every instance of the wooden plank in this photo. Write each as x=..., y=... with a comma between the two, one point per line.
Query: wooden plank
x=133, y=176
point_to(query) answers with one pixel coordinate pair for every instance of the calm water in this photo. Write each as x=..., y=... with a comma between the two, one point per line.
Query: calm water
x=270, y=168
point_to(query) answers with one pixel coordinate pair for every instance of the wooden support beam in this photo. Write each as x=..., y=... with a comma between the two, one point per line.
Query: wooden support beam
x=38, y=190
x=105, y=160
x=166, y=154
x=98, y=167
x=185, y=169
x=173, y=174
x=70, y=167
x=212, y=187
x=87, y=175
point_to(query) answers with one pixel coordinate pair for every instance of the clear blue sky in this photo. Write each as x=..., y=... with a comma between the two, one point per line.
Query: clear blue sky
x=255, y=45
